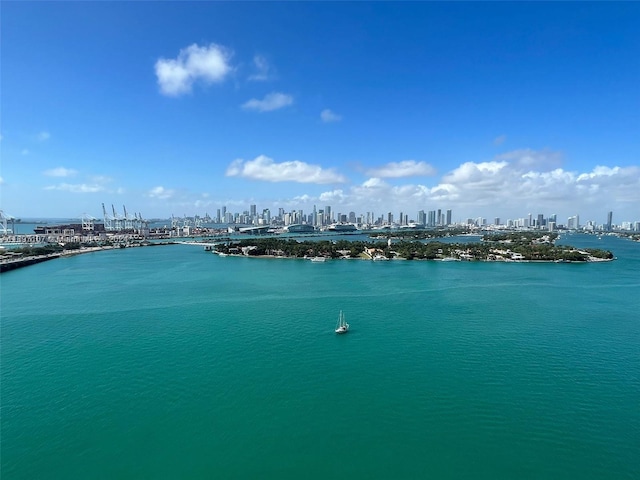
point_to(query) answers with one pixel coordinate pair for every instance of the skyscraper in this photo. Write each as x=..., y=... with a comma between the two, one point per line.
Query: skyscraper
x=609, y=221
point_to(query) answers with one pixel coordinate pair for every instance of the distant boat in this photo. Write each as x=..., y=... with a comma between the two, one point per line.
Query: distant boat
x=342, y=326
x=317, y=259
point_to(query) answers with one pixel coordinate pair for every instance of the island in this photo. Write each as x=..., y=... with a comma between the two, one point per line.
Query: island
x=505, y=247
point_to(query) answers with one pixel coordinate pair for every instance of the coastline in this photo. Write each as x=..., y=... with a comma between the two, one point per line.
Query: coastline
x=13, y=263
x=445, y=259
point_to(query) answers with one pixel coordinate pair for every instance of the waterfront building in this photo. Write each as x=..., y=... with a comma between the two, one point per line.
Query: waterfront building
x=573, y=223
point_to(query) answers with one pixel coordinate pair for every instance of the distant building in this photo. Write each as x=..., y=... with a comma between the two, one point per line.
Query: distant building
x=299, y=228
x=573, y=223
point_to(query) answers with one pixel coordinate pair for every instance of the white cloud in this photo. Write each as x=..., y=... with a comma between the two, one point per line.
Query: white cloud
x=207, y=64
x=499, y=140
x=264, y=168
x=43, y=136
x=60, y=172
x=264, y=71
x=272, y=101
x=333, y=197
x=161, y=193
x=406, y=168
x=483, y=174
x=77, y=188
x=505, y=188
x=374, y=183
x=327, y=116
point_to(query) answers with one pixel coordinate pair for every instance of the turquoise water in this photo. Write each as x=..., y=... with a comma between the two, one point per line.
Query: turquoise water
x=171, y=362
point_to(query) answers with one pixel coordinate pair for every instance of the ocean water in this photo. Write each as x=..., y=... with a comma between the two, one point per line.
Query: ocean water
x=171, y=362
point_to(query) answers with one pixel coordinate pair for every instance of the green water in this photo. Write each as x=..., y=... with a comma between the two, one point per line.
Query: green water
x=171, y=362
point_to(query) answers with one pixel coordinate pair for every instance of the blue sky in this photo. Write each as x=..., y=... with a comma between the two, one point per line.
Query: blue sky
x=489, y=109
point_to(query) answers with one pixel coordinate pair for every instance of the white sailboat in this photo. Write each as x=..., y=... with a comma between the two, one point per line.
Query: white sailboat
x=342, y=325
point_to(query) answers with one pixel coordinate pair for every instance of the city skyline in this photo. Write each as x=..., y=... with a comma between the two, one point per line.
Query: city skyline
x=363, y=106
x=323, y=216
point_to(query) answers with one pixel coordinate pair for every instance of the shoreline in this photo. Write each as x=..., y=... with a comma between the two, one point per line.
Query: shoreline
x=12, y=263
x=283, y=257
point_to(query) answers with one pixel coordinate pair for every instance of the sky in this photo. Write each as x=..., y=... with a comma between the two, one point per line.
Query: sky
x=491, y=110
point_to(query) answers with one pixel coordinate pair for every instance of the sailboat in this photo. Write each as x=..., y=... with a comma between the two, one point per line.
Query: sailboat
x=342, y=325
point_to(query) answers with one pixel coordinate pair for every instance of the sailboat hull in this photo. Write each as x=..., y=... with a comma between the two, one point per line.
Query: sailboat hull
x=342, y=326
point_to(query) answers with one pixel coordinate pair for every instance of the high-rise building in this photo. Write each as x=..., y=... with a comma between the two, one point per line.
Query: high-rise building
x=432, y=218
x=573, y=223
x=449, y=217
x=609, y=221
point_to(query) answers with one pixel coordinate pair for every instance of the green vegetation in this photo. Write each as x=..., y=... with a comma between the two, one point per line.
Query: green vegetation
x=51, y=248
x=527, y=246
x=42, y=250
